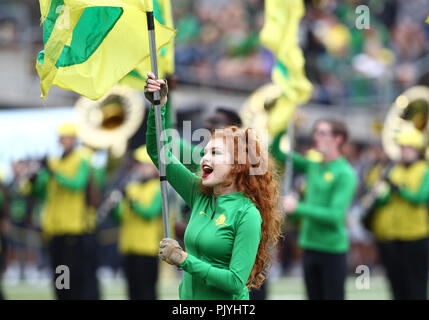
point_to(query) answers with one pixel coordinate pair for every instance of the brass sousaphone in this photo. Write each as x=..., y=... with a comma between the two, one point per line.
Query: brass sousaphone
x=110, y=122
x=255, y=110
x=411, y=108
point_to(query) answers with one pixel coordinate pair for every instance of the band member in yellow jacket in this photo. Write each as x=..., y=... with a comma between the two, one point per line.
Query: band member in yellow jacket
x=91, y=290
x=62, y=184
x=400, y=223
x=139, y=215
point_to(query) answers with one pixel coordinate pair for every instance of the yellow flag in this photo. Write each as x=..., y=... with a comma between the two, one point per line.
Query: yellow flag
x=280, y=35
x=136, y=79
x=91, y=44
x=163, y=10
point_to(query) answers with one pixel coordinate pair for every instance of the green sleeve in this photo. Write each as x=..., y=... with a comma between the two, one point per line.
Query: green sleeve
x=189, y=150
x=300, y=163
x=277, y=154
x=78, y=182
x=383, y=199
x=420, y=196
x=39, y=187
x=168, y=115
x=246, y=243
x=181, y=179
x=342, y=195
x=151, y=211
x=99, y=175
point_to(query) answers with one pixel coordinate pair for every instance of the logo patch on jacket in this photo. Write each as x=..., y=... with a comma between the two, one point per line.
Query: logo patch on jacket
x=220, y=221
x=328, y=176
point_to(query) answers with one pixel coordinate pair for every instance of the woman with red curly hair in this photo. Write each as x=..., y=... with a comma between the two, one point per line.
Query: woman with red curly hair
x=235, y=218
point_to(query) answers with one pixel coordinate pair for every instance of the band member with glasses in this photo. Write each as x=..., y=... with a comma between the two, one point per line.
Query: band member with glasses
x=330, y=188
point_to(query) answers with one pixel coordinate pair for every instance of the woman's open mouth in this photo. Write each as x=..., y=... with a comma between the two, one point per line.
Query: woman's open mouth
x=207, y=170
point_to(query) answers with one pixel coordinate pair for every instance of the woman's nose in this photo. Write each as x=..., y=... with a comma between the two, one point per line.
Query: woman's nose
x=203, y=159
x=206, y=158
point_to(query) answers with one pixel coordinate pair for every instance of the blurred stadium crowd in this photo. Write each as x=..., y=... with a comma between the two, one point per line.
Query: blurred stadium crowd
x=218, y=39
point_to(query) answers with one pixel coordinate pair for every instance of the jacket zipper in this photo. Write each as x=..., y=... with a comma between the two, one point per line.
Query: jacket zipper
x=214, y=210
x=199, y=234
x=198, y=247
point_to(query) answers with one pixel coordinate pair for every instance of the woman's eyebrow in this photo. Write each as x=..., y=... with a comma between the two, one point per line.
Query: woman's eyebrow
x=212, y=148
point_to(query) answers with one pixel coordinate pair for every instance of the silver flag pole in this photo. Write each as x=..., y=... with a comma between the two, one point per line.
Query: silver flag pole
x=158, y=122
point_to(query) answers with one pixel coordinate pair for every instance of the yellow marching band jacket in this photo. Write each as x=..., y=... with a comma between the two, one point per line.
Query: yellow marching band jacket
x=66, y=210
x=62, y=187
x=140, y=219
x=402, y=214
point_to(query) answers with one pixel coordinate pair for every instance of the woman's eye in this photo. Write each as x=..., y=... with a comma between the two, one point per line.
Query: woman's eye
x=213, y=152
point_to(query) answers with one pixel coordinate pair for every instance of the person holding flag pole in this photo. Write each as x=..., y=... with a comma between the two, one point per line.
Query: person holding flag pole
x=235, y=220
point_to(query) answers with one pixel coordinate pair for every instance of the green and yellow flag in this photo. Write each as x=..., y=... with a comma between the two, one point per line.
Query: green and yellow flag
x=136, y=79
x=280, y=35
x=89, y=45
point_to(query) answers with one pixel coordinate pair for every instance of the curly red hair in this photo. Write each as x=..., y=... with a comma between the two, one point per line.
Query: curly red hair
x=262, y=188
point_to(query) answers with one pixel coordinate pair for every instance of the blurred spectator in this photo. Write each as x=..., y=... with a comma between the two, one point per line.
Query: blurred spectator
x=21, y=257
x=218, y=44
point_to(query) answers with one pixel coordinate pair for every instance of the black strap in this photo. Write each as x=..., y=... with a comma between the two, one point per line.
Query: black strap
x=150, y=22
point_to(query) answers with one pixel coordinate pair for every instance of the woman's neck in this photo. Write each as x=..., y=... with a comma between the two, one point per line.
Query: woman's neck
x=221, y=190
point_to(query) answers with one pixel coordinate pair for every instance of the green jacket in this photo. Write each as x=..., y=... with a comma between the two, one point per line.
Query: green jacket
x=222, y=236
x=330, y=190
